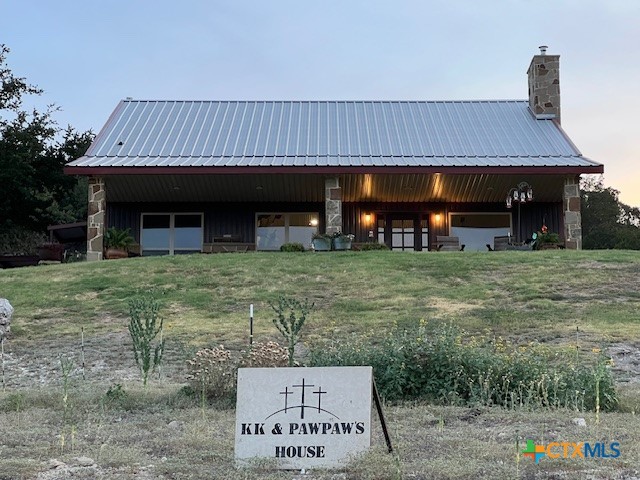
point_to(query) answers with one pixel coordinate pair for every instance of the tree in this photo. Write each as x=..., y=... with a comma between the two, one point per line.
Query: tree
x=607, y=222
x=33, y=152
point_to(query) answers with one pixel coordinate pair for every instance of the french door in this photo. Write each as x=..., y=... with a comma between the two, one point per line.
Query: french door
x=404, y=232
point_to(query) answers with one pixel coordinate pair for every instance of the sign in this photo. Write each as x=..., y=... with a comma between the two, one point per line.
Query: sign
x=303, y=417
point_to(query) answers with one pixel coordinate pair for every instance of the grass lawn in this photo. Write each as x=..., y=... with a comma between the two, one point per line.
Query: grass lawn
x=585, y=300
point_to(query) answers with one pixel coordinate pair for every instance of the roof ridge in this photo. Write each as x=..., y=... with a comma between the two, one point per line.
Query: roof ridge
x=132, y=100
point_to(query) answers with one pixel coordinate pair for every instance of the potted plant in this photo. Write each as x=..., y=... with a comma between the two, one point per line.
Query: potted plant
x=321, y=242
x=545, y=240
x=342, y=241
x=19, y=247
x=117, y=242
x=51, y=251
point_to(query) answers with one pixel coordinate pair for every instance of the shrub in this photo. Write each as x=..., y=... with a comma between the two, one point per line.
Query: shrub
x=20, y=241
x=437, y=364
x=373, y=246
x=212, y=372
x=269, y=354
x=292, y=247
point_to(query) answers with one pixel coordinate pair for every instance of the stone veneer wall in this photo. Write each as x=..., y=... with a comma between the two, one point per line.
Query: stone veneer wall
x=96, y=218
x=572, y=216
x=333, y=205
x=544, y=85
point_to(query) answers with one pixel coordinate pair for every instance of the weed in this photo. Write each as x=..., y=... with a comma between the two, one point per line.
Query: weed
x=144, y=327
x=290, y=317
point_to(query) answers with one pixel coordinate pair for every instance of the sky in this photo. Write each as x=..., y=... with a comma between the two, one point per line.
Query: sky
x=89, y=54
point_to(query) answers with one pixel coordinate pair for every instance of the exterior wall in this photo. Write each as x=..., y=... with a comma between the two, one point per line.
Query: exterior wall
x=96, y=218
x=219, y=218
x=239, y=218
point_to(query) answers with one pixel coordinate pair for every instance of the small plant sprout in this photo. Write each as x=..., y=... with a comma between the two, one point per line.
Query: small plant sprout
x=144, y=326
x=290, y=317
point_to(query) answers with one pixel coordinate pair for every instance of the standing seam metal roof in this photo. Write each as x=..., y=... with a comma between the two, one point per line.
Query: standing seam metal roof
x=142, y=133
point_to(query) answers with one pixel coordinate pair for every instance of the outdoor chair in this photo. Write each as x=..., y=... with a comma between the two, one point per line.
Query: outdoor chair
x=448, y=244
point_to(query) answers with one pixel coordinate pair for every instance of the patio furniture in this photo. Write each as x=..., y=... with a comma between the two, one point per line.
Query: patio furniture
x=448, y=244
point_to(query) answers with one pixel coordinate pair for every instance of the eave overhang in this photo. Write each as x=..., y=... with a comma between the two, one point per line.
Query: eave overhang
x=338, y=170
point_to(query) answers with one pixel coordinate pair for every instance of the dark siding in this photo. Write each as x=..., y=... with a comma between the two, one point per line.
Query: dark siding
x=239, y=218
x=219, y=218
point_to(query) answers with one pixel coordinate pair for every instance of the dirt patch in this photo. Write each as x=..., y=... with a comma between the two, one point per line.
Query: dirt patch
x=447, y=306
x=107, y=358
x=626, y=361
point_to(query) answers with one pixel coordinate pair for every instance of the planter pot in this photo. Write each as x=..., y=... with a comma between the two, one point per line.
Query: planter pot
x=548, y=246
x=341, y=244
x=51, y=251
x=114, y=253
x=321, y=244
x=14, y=261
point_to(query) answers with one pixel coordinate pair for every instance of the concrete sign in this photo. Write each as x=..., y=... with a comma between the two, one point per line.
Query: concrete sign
x=303, y=417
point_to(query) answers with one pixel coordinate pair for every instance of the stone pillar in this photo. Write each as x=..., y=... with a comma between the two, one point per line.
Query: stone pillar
x=333, y=205
x=96, y=218
x=572, y=216
x=544, y=85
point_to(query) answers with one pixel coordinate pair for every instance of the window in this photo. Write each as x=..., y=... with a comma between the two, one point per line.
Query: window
x=275, y=229
x=171, y=233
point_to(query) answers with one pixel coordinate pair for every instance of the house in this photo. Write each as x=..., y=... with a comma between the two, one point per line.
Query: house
x=191, y=176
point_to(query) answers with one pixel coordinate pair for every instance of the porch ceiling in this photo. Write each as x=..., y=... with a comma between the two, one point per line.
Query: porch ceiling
x=310, y=188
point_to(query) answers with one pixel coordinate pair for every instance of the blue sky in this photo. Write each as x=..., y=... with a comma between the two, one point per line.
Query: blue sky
x=90, y=54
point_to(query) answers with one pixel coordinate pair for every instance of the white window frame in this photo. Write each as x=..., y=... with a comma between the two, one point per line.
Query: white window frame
x=172, y=223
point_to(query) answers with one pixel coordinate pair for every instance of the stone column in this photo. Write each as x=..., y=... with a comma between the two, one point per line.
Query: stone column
x=333, y=205
x=96, y=218
x=572, y=216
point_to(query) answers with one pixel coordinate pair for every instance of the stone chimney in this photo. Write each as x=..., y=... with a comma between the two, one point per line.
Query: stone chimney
x=544, y=85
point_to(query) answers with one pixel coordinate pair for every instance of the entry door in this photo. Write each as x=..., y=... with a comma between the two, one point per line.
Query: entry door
x=403, y=234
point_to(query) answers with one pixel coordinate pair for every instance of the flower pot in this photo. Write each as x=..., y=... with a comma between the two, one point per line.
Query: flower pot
x=548, y=246
x=114, y=253
x=341, y=244
x=321, y=244
x=51, y=251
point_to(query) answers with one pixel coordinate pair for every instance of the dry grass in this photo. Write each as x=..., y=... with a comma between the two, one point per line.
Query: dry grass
x=161, y=433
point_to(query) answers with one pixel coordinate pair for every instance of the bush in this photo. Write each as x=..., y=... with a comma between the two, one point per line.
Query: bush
x=19, y=241
x=373, y=246
x=212, y=372
x=269, y=354
x=292, y=247
x=436, y=364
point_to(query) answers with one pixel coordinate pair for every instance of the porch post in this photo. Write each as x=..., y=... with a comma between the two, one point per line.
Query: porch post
x=96, y=218
x=572, y=216
x=333, y=205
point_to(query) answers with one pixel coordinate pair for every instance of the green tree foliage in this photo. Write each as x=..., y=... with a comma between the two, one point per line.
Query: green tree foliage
x=606, y=221
x=33, y=152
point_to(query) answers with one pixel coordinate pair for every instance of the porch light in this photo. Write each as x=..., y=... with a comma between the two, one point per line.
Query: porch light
x=367, y=218
x=313, y=222
x=437, y=217
x=522, y=193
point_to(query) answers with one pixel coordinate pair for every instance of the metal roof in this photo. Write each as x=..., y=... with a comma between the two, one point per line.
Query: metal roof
x=340, y=134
